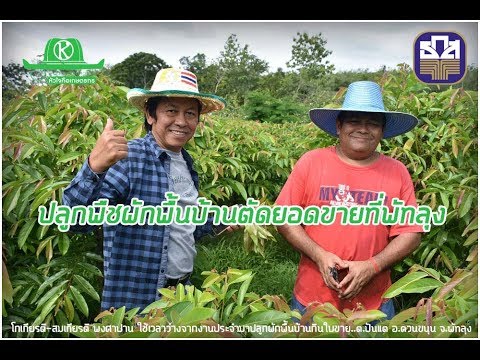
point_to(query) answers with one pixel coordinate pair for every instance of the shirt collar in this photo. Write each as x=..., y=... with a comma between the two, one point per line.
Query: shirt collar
x=158, y=151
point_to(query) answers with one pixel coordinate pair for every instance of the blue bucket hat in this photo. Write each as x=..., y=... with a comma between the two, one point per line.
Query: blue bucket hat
x=364, y=96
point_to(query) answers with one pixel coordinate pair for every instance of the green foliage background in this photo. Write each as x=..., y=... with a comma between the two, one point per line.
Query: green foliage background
x=56, y=278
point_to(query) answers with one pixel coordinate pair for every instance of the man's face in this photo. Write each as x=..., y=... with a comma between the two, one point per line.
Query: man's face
x=360, y=133
x=177, y=120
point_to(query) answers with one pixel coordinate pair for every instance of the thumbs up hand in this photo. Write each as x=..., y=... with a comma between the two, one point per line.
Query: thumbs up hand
x=111, y=147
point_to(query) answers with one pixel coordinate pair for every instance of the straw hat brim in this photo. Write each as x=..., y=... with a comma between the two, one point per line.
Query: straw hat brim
x=397, y=123
x=138, y=97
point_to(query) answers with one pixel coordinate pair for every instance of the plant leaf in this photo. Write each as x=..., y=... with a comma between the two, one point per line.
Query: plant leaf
x=465, y=206
x=7, y=289
x=11, y=200
x=25, y=231
x=86, y=287
x=265, y=317
x=118, y=316
x=69, y=310
x=196, y=315
x=79, y=300
x=397, y=287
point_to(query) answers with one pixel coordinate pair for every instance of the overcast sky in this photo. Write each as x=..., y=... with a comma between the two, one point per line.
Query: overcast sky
x=354, y=45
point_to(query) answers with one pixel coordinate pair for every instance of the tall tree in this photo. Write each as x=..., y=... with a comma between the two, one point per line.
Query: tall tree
x=206, y=72
x=309, y=53
x=138, y=70
x=309, y=63
x=195, y=64
x=14, y=80
x=239, y=70
x=470, y=81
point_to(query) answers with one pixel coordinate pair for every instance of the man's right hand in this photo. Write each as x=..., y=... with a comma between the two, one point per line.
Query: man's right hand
x=325, y=262
x=111, y=147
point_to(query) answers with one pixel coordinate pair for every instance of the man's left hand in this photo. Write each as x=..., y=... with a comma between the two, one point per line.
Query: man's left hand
x=360, y=273
x=231, y=228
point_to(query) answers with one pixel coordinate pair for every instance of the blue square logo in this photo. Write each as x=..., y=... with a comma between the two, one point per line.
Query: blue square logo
x=440, y=57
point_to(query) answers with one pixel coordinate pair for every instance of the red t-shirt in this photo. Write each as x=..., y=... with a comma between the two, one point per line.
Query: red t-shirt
x=320, y=178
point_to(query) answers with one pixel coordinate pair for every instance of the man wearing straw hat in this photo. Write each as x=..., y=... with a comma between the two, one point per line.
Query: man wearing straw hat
x=140, y=259
x=348, y=265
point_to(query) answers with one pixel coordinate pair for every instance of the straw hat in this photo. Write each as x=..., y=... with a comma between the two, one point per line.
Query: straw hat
x=175, y=83
x=364, y=96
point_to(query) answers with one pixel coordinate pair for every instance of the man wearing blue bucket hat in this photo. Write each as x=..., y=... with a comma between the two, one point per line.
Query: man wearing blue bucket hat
x=348, y=265
x=140, y=259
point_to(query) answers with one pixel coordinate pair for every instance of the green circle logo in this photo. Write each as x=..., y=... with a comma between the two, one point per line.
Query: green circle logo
x=63, y=50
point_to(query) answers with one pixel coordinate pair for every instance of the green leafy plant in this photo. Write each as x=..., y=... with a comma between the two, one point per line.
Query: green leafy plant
x=441, y=155
x=49, y=131
x=254, y=238
x=451, y=310
x=265, y=108
x=225, y=309
x=47, y=135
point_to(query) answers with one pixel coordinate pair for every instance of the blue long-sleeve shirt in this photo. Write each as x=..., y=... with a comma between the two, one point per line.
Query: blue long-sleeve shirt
x=135, y=257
